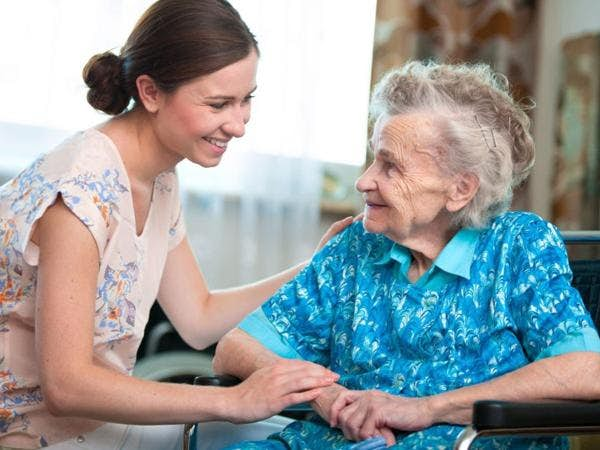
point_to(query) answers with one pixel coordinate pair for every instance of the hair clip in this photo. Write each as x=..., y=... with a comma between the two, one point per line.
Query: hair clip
x=485, y=139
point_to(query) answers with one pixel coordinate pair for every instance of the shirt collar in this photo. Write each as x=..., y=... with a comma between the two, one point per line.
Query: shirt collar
x=455, y=258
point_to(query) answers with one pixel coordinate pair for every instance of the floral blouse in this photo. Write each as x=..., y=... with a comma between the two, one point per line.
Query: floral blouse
x=353, y=309
x=88, y=173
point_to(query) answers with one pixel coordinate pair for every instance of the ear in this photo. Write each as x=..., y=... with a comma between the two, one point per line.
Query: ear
x=462, y=191
x=149, y=93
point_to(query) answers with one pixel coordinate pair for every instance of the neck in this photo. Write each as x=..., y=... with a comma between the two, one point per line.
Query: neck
x=426, y=247
x=143, y=155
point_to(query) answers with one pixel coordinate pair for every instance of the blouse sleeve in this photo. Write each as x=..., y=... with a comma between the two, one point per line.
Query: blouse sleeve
x=89, y=196
x=548, y=312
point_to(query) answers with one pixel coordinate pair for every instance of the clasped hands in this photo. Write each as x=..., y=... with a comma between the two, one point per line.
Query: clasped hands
x=364, y=414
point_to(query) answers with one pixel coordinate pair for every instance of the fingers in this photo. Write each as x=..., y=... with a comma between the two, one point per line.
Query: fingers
x=301, y=397
x=342, y=400
x=297, y=382
x=358, y=217
x=301, y=368
x=388, y=435
x=351, y=419
x=369, y=426
x=341, y=224
x=334, y=229
x=291, y=382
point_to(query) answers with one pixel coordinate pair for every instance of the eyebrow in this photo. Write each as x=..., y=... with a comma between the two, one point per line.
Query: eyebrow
x=229, y=97
x=389, y=155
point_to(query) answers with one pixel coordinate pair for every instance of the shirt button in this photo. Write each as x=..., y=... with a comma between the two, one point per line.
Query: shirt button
x=80, y=439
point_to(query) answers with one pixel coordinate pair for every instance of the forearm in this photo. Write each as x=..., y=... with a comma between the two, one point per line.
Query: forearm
x=202, y=317
x=225, y=309
x=571, y=376
x=100, y=393
x=254, y=294
x=239, y=354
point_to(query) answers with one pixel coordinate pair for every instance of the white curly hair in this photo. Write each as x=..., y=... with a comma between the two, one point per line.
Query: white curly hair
x=483, y=130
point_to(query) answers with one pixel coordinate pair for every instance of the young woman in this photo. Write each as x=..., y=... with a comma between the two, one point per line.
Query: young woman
x=91, y=234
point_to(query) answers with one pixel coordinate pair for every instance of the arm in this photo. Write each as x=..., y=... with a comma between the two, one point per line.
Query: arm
x=572, y=376
x=239, y=354
x=73, y=384
x=201, y=316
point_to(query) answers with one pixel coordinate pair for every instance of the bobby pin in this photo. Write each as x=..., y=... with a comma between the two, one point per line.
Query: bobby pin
x=485, y=139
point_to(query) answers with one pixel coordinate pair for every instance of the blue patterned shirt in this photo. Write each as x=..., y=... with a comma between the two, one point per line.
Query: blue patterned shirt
x=463, y=322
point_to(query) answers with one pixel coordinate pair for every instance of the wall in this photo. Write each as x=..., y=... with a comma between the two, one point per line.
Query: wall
x=559, y=19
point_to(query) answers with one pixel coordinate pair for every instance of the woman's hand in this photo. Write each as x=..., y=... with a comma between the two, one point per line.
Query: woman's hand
x=273, y=388
x=335, y=228
x=364, y=414
x=324, y=406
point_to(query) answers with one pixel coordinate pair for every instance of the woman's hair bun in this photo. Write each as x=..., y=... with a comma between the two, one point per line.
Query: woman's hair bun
x=103, y=76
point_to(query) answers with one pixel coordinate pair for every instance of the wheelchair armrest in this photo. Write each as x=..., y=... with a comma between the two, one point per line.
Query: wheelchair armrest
x=217, y=380
x=489, y=415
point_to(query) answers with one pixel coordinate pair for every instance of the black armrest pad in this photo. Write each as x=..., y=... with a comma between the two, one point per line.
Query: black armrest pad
x=218, y=380
x=492, y=414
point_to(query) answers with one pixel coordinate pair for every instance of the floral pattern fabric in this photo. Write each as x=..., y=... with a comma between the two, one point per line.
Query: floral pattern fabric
x=379, y=331
x=87, y=172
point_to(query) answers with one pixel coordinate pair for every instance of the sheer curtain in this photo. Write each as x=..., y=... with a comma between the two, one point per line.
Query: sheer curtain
x=258, y=211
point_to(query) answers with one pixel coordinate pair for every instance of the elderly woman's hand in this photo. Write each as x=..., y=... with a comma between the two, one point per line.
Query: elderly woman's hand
x=335, y=228
x=322, y=403
x=323, y=406
x=363, y=414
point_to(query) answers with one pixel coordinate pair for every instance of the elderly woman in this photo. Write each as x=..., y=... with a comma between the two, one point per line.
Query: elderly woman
x=440, y=297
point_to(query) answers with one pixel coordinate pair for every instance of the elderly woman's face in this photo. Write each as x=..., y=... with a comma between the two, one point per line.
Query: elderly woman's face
x=404, y=189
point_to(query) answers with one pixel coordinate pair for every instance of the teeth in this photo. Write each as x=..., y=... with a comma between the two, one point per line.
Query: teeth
x=221, y=144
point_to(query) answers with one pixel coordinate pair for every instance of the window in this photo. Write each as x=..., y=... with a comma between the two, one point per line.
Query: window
x=313, y=78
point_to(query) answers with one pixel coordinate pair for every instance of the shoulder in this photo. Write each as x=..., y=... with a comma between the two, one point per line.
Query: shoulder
x=87, y=151
x=356, y=240
x=83, y=172
x=527, y=240
x=519, y=225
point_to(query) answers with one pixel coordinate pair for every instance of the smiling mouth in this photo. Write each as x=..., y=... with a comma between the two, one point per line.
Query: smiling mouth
x=216, y=142
x=374, y=205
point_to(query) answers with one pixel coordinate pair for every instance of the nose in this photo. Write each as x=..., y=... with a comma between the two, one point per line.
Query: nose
x=236, y=122
x=366, y=182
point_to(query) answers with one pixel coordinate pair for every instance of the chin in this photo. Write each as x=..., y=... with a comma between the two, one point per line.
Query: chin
x=206, y=162
x=370, y=226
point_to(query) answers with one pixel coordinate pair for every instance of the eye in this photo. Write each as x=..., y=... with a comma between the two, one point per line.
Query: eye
x=218, y=105
x=248, y=99
x=388, y=166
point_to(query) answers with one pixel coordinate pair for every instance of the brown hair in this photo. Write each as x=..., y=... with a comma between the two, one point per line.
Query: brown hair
x=173, y=42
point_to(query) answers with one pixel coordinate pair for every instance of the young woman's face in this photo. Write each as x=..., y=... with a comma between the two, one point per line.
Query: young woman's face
x=199, y=118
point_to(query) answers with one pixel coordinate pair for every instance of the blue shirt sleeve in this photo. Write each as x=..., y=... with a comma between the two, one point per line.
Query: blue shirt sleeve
x=259, y=327
x=584, y=340
x=548, y=312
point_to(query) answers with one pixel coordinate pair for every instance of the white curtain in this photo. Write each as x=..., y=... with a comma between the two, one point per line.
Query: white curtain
x=272, y=225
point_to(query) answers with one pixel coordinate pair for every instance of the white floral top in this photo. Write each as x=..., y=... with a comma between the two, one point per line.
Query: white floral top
x=87, y=171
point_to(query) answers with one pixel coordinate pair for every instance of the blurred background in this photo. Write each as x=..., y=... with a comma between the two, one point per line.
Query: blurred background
x=280, y=186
